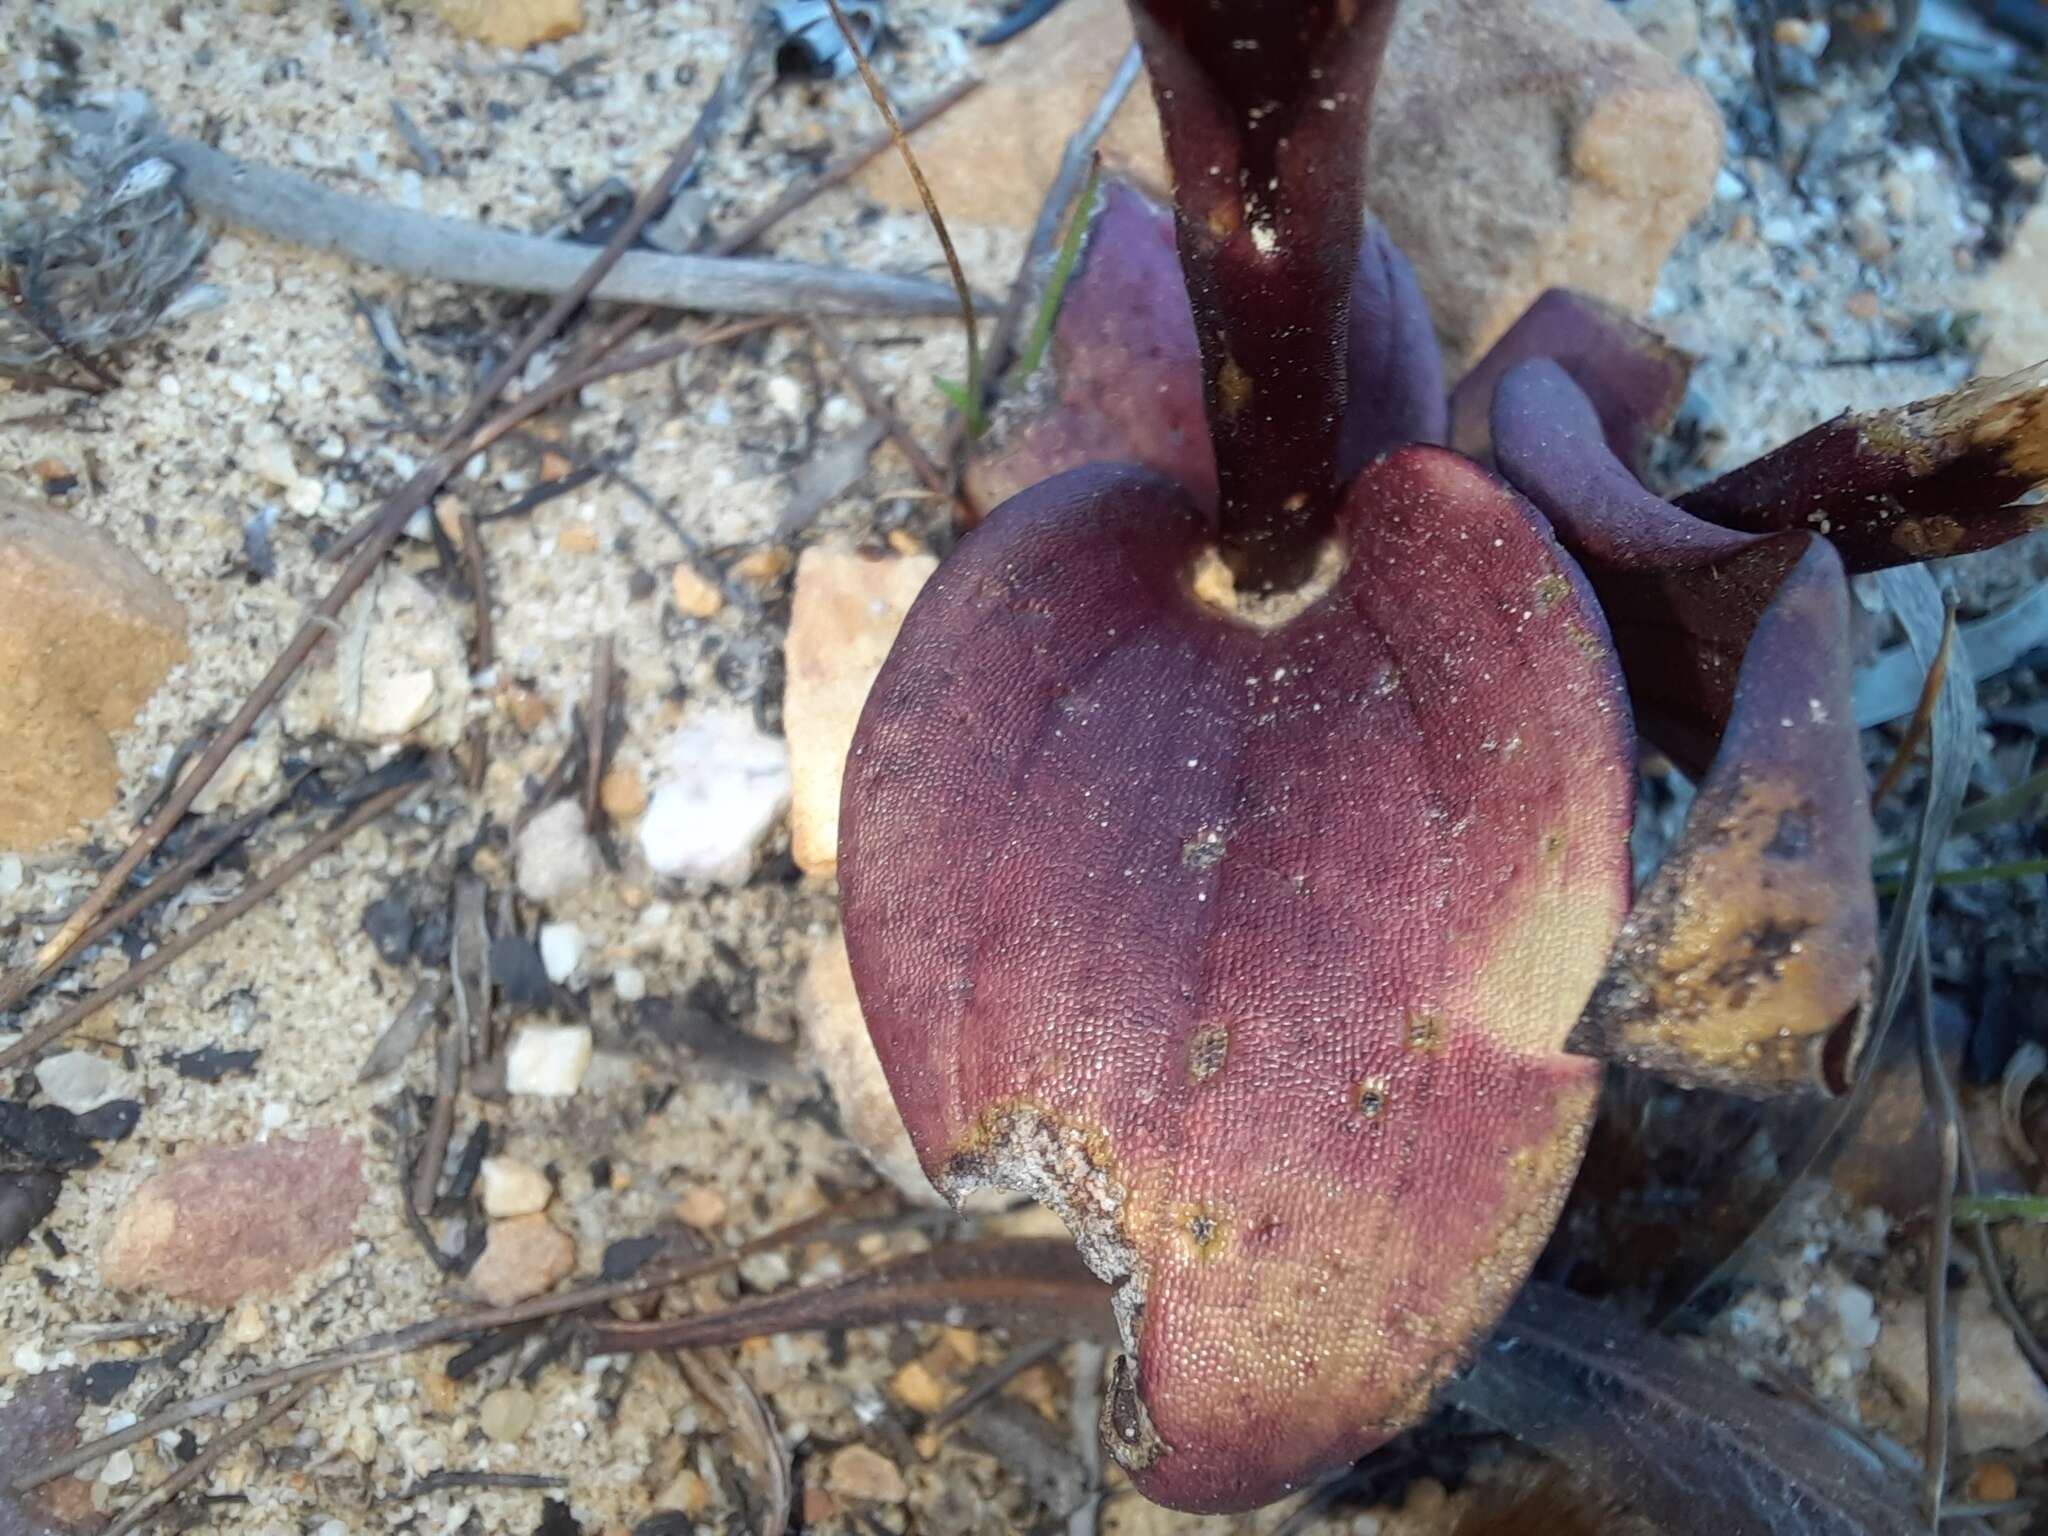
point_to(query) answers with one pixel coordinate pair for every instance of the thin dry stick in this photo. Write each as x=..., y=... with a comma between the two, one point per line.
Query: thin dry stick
x=426, y=1173
x=1923, y=713
x=562, y=386
x=1940, y=1369
x=924, y=192
x=227, y=912
x=1067, y=182
x=422, y=1335
x=174, y=877
x=144, y=1509
x=375, y=535
x=839, y=170
x=993, y=1380
x=297, y=209
x=482, y=645
x=595, y=721
x=926, y=468
x=650, y=202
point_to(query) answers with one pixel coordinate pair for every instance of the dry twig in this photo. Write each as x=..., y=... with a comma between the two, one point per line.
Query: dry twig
x=290, y=207
x=880, y=98
x=371, y=539
x=227, y=912
x=927, y=470
x=436, y=1330
x=1923, y=713
x=482, y=646
x=1067, y=182
x=597, y=721
x=159, y=1498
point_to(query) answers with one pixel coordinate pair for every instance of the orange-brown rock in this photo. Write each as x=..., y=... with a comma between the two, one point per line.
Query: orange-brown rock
x=523, y=1257
x=513, y=23
x=87, y=633
x=843, y=618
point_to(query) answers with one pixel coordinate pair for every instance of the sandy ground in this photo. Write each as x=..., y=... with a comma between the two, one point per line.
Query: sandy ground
x=181, y=457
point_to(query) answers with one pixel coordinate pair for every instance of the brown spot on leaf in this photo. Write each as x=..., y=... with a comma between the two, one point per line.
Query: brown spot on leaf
x=1206, y=1231
x=1551, y=591
x=1760, y=956
x=1424, y=1031
x=1207, y=1049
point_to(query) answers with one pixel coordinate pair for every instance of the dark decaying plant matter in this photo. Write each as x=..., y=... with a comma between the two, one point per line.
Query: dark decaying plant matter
x=1234, y=845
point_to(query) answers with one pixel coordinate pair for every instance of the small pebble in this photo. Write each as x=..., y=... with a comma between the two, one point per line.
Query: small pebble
x=726, y=785
x=861, y=1472
x=577, y=539
x=622, y=793
x=119, y=1468
x=556, y=856
x=80, y=1081
x=702, y=1207
x=548, y=1059
x=1992, y=1483
x=763, y=567
x=10, y=874
x=222, y=1223
x=523, y=1257
x=916, y=1387
x=507, y=1413
x=523, y=707
x=561, y=950
x=395, y=703
x=686, y=1493
x=630, y=982
x=513, y=1188
x=246, y=1325
x=695, y=596
x=819, y=1506
x=1858, y=1311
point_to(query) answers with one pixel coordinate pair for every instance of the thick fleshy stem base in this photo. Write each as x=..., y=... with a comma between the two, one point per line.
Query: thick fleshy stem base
x=1265, y=105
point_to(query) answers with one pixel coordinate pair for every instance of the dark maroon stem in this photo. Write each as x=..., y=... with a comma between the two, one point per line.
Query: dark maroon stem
x=1265, y=105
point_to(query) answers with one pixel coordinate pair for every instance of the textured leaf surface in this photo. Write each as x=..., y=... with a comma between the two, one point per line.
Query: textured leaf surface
x=1251, y=950
x=1747, y=962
